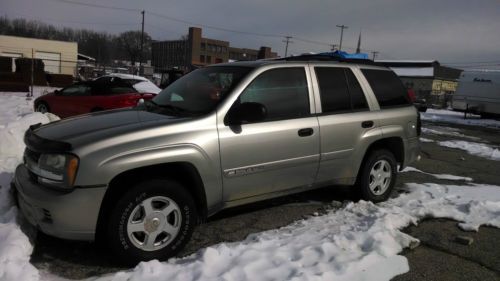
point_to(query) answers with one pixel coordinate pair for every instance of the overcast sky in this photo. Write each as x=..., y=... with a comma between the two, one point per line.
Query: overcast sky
x=452, y=31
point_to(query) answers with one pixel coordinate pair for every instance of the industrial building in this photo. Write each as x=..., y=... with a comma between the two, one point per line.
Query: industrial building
x=59, y=57
x=428, y=78
x=196, y=51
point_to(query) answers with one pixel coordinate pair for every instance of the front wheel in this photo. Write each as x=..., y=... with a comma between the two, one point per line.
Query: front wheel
x=378, y=176
x=154, y=220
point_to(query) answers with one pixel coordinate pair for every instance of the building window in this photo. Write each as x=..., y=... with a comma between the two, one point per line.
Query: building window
x=202, y=58
x=209, y=59
x=203, y=46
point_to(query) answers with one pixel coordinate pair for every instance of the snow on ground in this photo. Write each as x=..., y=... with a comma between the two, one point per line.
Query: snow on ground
x=454, y=117
x=437, y=176
x=16, y=115
x=443, y=131
x=425, y=140
x=474, y=148
x=359, y=241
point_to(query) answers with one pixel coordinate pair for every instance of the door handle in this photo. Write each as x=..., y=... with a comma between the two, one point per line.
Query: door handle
x=367, y=124
x=305, y=132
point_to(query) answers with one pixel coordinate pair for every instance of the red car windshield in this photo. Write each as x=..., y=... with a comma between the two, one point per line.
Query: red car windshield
x=200, y=91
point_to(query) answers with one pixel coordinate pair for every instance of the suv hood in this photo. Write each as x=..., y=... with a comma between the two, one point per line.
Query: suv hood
x=99, y=125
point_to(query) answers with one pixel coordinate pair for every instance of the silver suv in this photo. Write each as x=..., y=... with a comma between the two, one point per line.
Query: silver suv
x=221, y=136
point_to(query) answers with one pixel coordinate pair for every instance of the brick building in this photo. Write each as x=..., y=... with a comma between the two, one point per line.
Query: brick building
x=196, y=51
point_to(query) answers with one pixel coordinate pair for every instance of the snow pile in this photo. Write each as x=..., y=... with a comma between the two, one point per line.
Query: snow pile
x=474, y=148
x=448, y=116
x=437, y=176
x=357, y=242
x=16, y=115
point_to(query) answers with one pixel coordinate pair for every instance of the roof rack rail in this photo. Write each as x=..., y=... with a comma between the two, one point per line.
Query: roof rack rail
x=327, y=57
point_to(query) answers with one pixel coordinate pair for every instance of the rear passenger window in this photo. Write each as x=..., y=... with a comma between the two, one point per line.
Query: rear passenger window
x=282, y=91
x=358, y=99
x=387, y=87
x=339, y=90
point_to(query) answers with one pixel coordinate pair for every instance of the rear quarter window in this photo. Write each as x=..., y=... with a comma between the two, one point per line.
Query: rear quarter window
x=387, y=87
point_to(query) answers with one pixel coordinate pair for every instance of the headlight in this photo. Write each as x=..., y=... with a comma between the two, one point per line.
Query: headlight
x=58, y=169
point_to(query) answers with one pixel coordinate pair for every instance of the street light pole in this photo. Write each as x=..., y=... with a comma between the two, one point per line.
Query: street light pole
x=342, y=27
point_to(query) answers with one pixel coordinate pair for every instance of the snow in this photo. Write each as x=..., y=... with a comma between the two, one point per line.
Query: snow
x=358, y=241
x=16, y=115
x=454, y=117
x=474, y=148
x=437, y=176
x=443, y=131
x=425, y=139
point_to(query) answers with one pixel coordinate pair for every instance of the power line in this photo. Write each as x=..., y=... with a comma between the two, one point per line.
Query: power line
x=208, y=26
x=98, y=6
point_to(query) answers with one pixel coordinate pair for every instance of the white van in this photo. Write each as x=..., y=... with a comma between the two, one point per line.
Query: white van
x=478, y=92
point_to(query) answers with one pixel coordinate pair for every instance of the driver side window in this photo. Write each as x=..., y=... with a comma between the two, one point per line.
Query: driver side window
x=282, y=91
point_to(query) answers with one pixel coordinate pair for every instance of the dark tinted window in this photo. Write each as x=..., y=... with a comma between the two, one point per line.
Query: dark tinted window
x=358, y=99
x=282, y=91
x=387, y=87
x=339, y=90
x=76, y=90
x=333, y=89
x=113, y=86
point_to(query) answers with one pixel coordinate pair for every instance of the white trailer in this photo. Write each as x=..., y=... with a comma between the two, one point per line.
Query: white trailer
x=478, y=92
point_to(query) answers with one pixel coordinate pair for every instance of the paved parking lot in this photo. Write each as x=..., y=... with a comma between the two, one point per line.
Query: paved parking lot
x=439, y=256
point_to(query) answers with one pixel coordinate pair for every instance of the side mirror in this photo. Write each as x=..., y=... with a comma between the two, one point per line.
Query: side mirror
x=247, y=112
x=57, y=92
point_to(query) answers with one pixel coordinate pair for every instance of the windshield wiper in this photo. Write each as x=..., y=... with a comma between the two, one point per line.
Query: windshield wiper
x=169, y=107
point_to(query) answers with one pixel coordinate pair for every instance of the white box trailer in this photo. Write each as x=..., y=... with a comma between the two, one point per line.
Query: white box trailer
x=478, y=92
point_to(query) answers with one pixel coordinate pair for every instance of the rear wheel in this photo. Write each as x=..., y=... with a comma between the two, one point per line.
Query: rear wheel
x=42, y=107
x=154, y=220
x=378, y=176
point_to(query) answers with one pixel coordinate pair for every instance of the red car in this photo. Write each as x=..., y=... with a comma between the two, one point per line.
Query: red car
x=85, y=97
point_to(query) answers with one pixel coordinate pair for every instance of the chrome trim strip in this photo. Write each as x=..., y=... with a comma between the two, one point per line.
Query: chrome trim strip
x=263, y=167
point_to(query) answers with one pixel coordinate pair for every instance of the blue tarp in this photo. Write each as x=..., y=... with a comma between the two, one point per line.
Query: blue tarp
x=345, y=55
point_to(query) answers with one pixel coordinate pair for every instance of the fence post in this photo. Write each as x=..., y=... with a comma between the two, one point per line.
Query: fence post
x=30, y=94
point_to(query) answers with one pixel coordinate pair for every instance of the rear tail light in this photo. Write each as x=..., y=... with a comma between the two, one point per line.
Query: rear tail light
x=411, y=96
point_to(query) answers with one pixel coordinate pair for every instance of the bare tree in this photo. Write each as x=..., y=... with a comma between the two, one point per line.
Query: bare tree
x=130, y=42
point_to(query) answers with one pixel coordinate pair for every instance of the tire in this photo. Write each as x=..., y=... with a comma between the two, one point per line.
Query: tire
x=42, y=107
x=380, y=163
x=131, y=224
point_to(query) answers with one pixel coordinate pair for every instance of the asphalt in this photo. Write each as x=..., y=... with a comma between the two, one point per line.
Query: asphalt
x=439, y=256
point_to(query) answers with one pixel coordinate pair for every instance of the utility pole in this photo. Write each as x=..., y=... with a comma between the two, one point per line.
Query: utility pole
x=375, y=53
x=142, y=42
x=342, y=27
x=287, y=41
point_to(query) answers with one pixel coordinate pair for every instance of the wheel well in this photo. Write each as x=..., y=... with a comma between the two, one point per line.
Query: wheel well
x=183, y=172
x=393, y=144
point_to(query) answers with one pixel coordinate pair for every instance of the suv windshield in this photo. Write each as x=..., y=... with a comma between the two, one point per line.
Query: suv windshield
x=200, y=91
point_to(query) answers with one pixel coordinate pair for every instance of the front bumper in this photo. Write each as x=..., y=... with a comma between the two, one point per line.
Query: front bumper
x=71, y=215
